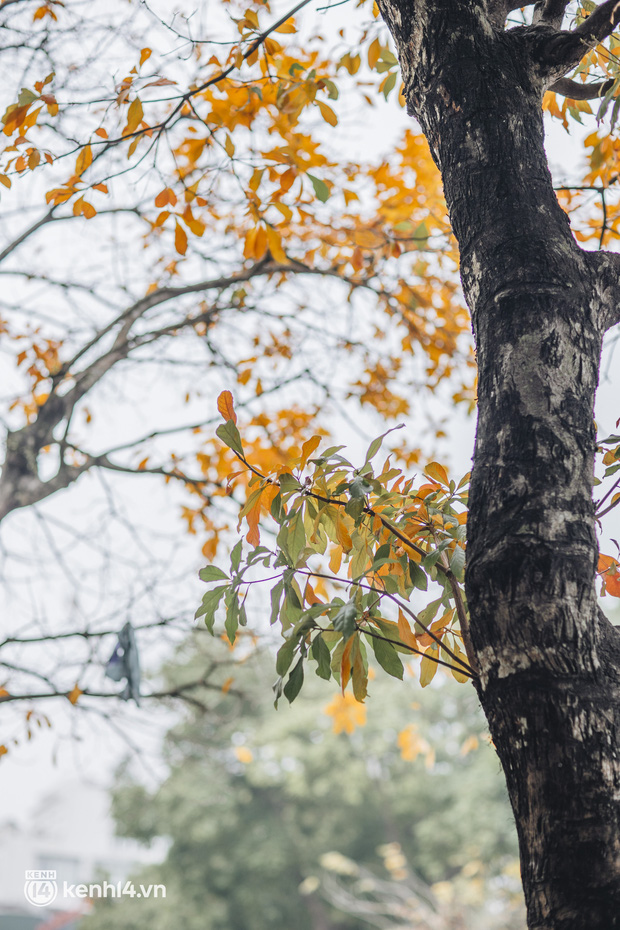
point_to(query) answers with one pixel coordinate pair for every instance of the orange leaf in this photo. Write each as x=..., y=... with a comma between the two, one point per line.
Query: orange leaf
x=253, y=517
x=144, y=54
x=84, y=160
x=275, y=245
x=180, y=239
x=437, y=472
x=74, y=694
x=327, y=113
x=307, y=449
x=134, y=116
x=343, y=536
x=225, y=406
x=405, y=633
x=345, y=663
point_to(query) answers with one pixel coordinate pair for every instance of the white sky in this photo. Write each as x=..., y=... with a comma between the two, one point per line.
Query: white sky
x=30, y=772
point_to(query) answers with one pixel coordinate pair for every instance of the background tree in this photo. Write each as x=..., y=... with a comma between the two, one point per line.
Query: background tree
x=130, y=297
x=280, y=208
x=264, y=821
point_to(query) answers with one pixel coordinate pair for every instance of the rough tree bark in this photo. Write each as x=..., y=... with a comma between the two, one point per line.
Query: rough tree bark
x=549, y=661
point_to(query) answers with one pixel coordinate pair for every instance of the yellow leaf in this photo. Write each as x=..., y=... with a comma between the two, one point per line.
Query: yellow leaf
x=253, y=517
x=342, y=534
x=469, y=745
x=229, y=145
x=227, y=684
x=437, y=472
x=3, y=750
x=335, y=560
x=374, y=51
x=285, y=210
x=456, y=672
x=144, y=54
x=244, y=754
x=428, y=668
x=225, y=406
x=307, y=449
x=4, y=180
x=134, y=116
x=180, y=239
x=405, y=632
x=275, y=245
x=74, y=694
x=327, y=113
x=288, y=26
x=411, y=744
x=84, y=160
x=3, y=693
x=346, y=713
x=260, y=243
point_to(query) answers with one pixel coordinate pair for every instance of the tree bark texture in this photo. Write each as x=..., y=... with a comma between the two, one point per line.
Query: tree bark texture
x=548, y=660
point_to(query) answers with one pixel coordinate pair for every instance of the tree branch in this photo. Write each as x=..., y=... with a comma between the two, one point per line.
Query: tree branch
x=565, y=50
x=576, y=91
x=601, y=23
x=553, y=13
x=606, y=267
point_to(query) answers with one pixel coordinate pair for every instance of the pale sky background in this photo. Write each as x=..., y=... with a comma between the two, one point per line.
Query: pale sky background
x=32, y=770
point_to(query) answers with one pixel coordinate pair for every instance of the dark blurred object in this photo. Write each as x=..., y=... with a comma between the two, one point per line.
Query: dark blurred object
x=125, y=663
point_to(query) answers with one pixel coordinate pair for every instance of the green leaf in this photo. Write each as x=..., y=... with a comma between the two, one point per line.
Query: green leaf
x=387, y=657
x=212, y=573
x=359, y=488
x=235, y=555
x=288, y=483
x=344, y=621
x=276, y=597
x=229, y=434
x=389, y=84
x=210, y=603
x=277, y=690
x=26, y=97
x=332, y=90
x=295, y=681
x=296, y=537
x=375, y=445
x=285, y=656
x=231, y=623
x=320, y=652
x=277, y=509
x=418, y=576
x=457, y=563
x=320, y=188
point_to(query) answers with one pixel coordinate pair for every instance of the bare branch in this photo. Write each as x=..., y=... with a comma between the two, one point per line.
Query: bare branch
x=576, y=91
x=566, y=49
x=500, y=9
x=606, y=267
x=553, y=13
x=601, y=23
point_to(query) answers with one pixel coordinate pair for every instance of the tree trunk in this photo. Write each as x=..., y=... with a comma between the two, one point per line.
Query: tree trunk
x=548, y=659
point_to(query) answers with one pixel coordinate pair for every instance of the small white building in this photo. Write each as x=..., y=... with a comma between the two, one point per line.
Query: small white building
x=69, y=832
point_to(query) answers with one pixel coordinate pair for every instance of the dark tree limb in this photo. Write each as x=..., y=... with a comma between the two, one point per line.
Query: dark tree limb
x=553, y=12
x=606, y=267
x=601, y=23
x=564, y=51
x=576, y=91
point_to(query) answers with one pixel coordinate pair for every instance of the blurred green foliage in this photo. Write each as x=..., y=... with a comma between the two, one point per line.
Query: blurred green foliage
x=255, y=797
